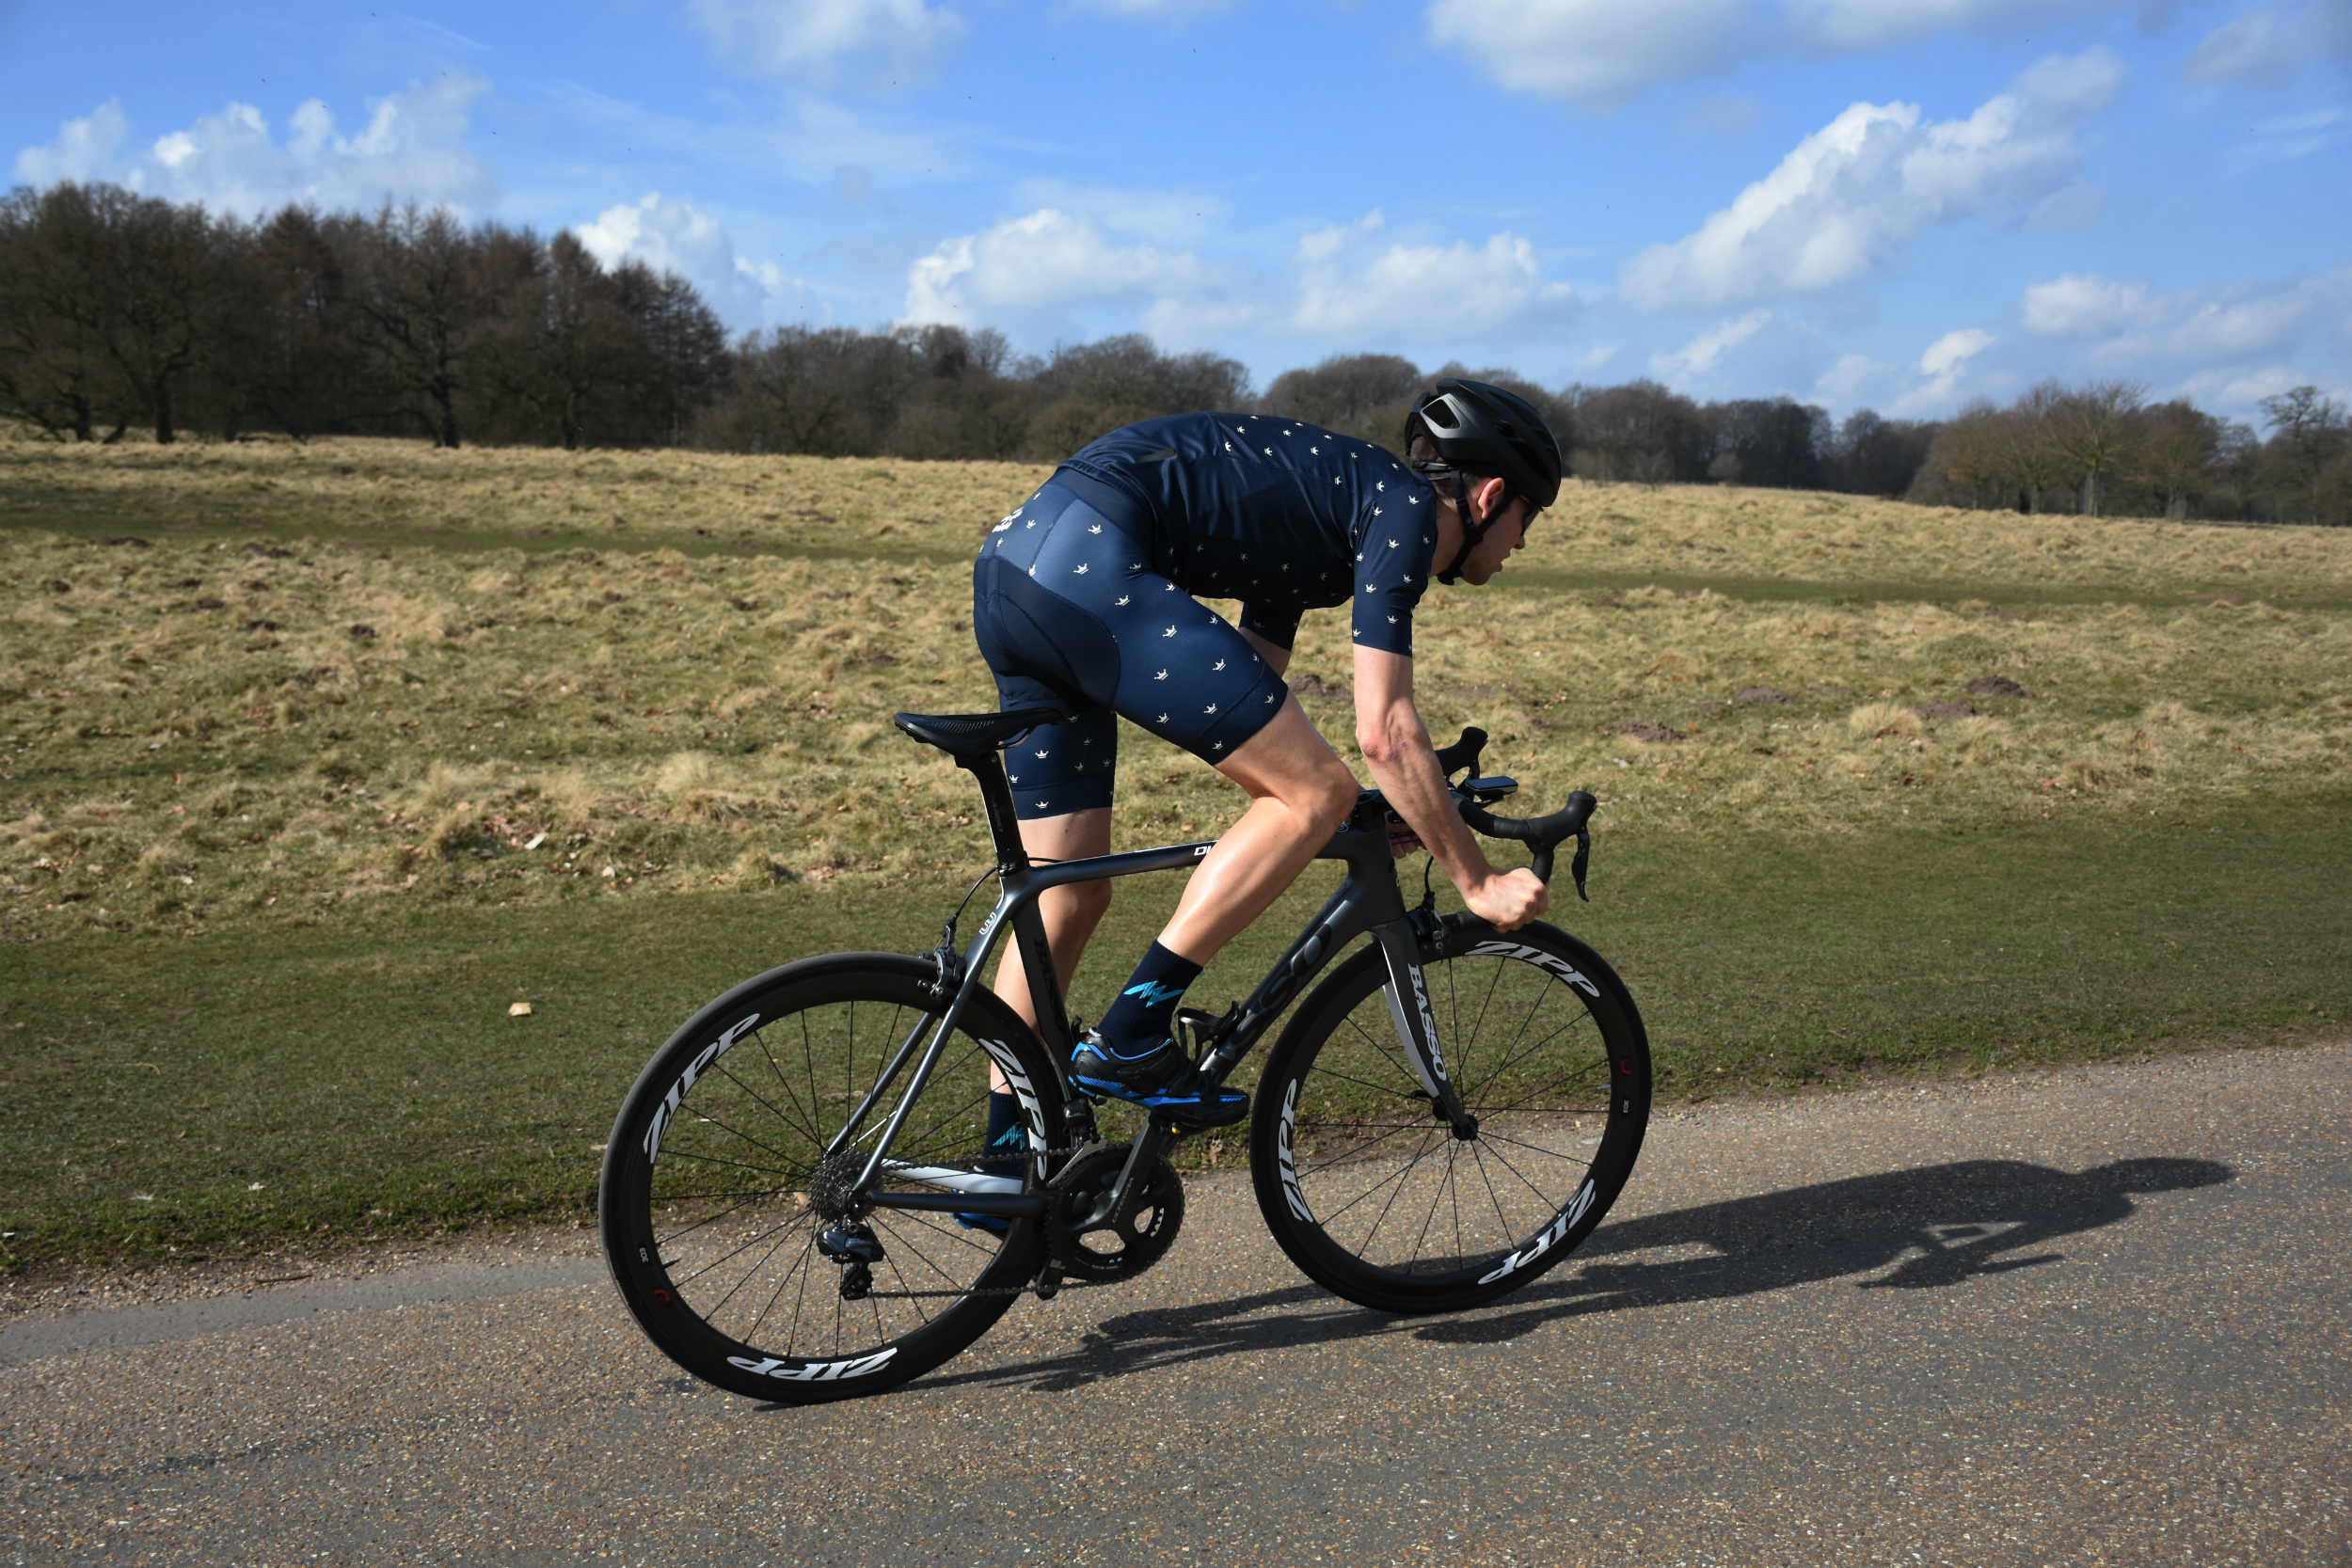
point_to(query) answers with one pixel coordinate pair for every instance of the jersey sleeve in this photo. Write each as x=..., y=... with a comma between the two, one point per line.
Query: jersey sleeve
x=1394, y=546
x=1277, y=623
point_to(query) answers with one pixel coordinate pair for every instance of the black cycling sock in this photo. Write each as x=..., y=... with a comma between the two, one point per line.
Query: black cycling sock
x=1008, y=1139
x=1145, y=1013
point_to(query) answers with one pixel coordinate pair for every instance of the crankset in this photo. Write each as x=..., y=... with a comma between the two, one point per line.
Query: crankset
x=1092, y=1242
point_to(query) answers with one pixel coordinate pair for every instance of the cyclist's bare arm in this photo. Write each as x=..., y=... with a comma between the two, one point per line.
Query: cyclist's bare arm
x=1395, y=744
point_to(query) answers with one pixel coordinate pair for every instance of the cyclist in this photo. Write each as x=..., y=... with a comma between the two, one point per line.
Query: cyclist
x=1082, y=600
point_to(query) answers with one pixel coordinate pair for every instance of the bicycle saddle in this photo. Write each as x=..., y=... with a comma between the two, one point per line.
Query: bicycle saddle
x=964, y=735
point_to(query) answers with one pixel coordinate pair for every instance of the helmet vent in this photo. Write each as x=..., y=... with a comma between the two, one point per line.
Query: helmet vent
x=1437, y=413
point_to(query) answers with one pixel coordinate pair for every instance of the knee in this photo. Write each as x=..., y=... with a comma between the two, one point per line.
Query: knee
x=1334, y=796
x=1081, y=905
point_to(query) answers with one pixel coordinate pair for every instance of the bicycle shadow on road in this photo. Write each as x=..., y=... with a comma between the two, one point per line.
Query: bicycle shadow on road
x=1931, y=1228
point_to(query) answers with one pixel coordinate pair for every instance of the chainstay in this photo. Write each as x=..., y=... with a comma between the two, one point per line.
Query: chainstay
x=1029, y=1289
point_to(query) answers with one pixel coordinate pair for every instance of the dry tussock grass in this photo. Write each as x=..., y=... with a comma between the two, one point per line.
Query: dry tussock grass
x=203, y=728
x=345, y=485
x=713, y=499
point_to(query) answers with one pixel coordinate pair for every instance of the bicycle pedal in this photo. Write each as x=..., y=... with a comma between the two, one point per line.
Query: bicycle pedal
x=1199, y=1032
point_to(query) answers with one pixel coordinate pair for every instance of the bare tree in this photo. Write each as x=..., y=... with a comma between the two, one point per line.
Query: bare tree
x=2175, y=454
x=1639, y=432
x=2028, y=457
x=2091, y=431
x=1363, y=395
x=2307, y=432
x=57, y=373
x=414, y=286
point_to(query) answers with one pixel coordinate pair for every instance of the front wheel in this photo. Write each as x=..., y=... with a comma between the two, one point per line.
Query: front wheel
x=717, y=1171
x=1371, y=1192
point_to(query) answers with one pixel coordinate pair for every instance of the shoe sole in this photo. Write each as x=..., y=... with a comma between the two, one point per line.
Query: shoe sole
x=1189, y=1108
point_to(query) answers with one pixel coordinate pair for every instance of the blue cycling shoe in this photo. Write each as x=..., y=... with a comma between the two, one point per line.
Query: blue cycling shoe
x=1011, y=1137
x=1159, y=1079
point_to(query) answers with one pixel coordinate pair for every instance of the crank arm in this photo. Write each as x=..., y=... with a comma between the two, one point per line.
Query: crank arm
x=1141, y=1156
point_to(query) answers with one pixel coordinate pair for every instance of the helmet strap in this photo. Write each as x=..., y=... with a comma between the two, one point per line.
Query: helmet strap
x=1473, y=529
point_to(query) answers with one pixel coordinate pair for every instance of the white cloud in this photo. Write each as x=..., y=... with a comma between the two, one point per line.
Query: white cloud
x=1840, y=203
x=674, y=236
x=1946, y=353
x=1944, y=363
x=871, y=43
x=1342, y=284
x=1602, y=54
x=412, y=148
x=1178, y=217
x=2266, y=47
x=85, y=149
x=1416, y=293
x=1904, y=391
x=1597, y=54
x=2196, y=331
x=1755, y=354
x=1046, y=260
x=1703, y=351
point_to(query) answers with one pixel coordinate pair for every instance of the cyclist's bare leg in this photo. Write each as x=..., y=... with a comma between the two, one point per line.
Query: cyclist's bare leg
x=1300, y=793
x=1071, y=913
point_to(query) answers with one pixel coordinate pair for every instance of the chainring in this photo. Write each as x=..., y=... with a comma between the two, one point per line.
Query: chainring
x=1086, y=1245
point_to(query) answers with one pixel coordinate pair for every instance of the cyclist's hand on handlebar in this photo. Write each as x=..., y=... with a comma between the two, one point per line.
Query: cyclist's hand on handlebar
x=1508, y=899
x=1403, y=840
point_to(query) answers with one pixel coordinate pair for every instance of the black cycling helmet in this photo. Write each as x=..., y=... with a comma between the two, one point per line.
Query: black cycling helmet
x=1476, y=426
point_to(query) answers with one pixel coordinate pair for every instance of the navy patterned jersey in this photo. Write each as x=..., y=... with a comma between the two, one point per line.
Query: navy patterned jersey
x=1281, y=516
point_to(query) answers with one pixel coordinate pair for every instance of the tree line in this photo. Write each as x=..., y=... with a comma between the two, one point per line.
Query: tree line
x=121, y=311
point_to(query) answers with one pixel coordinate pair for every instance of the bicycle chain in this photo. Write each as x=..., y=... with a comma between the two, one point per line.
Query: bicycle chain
x=1066, y=1283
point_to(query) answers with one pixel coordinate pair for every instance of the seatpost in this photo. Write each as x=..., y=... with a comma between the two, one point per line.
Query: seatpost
x=987, y=770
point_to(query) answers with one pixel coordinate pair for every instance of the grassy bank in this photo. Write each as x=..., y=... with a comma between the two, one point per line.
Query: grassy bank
x=361, y=1078
x=312, y=760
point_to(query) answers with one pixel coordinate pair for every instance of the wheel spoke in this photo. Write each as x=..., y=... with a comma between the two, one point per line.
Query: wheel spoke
x=745, y=1138
x=1392, y=1224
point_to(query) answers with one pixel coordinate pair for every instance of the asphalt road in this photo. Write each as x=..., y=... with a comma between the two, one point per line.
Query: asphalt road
x=2098, y=1316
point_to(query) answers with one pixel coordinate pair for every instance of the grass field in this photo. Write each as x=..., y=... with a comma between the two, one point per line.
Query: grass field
x=312, y=759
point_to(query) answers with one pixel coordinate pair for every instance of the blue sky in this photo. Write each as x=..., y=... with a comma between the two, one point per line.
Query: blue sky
x=1903, y=205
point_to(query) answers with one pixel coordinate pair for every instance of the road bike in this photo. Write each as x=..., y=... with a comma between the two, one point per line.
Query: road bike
x=797, y=1203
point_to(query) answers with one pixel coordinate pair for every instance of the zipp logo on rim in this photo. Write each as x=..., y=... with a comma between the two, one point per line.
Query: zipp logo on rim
x=696, y=1069
x=1285, y=1160
x=1561, y=967
x=1552, y=1232
x=1032, y=1113
x=813, y=1371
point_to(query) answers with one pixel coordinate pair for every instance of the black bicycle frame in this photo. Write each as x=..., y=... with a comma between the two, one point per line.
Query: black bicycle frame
x=1369, y=900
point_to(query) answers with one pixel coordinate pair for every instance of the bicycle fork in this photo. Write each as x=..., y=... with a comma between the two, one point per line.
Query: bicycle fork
x=1407, y=994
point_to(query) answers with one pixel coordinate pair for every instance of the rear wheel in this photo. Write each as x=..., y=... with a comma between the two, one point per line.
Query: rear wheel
x=706, y=1201
x=1373, y=1197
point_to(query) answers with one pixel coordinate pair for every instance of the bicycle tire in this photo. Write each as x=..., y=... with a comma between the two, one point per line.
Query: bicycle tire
x=1371, y=1193
x=703, y=1205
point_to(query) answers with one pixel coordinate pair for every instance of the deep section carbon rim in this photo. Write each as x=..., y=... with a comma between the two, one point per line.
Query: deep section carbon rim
x=715, y=1182
x=1375, y=1198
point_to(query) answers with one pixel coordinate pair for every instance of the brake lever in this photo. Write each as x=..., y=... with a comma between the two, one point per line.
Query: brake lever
x=1542, y=862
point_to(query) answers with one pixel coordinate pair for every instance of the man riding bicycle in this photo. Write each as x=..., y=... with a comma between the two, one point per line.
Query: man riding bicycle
x=1082, y=601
